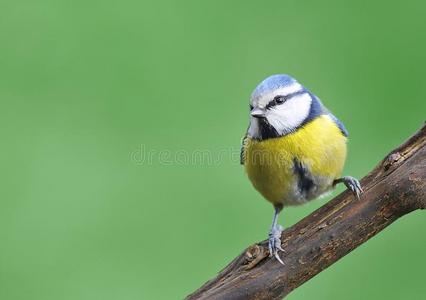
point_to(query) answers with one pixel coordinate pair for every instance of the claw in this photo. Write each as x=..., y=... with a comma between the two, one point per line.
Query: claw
x=359, y=186
x=274, y=244
x=278, y=258
x=354, y=185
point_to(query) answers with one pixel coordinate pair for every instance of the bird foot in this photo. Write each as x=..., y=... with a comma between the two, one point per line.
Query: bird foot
x=275, y=242
x=353, y=185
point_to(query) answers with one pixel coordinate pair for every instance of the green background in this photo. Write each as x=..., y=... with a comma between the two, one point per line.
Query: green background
x=85, y=85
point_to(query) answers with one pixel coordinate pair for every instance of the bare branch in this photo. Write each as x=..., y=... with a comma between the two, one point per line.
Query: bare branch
x=393, y=189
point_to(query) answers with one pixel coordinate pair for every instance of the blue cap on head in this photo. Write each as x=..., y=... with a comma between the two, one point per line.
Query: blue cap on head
x=271, y=83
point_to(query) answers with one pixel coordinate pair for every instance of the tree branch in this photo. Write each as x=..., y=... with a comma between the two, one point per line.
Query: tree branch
x=393, y=189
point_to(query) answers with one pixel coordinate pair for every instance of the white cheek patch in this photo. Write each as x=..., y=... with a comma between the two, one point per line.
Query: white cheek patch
x=288, y=116
x=263, y=100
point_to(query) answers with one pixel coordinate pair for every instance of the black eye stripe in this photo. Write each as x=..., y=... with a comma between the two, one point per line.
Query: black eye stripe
x=280, y=99
x=277, y=101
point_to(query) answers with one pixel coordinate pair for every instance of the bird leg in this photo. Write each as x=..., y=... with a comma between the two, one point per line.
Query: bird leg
x=351, y=183
x=275, y=235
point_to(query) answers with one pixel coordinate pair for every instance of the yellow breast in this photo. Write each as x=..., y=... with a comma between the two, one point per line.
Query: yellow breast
x=319, y=145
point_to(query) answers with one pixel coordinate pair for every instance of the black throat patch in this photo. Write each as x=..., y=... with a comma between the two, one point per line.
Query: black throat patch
x=267, y=131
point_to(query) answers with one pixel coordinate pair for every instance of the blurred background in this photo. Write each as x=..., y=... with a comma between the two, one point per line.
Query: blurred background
x=102, y=104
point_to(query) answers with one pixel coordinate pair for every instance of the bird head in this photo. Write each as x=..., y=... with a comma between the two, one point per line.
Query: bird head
x=279, y=105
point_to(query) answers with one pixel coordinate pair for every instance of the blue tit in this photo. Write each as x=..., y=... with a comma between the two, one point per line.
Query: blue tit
x=294, y=149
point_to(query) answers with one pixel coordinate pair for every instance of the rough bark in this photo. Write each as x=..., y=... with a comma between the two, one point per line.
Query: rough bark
x=394, y=188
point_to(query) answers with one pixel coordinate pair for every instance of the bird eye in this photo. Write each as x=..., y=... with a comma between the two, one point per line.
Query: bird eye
x=251, y=107
x=279, y=99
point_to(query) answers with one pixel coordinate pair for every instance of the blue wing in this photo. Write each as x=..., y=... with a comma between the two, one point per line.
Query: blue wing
x=339, y=124
x=318, y=108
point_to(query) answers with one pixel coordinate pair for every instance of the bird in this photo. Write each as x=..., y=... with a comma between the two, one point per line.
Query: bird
x=294, y=149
